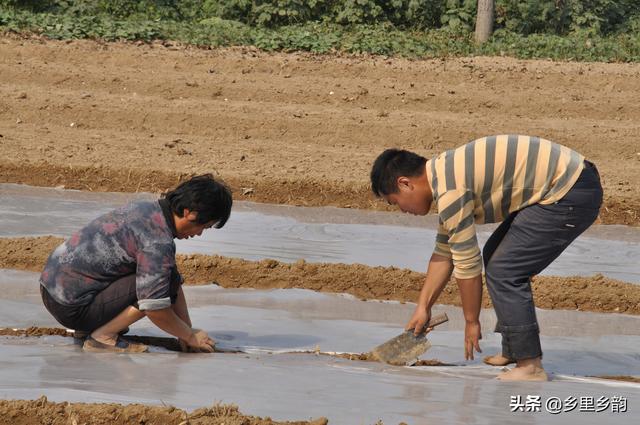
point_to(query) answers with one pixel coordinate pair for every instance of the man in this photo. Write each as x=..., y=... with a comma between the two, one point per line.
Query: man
x=121, y=267
x=544, y=194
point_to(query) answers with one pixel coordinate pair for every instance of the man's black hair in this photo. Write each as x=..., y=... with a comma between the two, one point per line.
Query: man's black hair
x=390, y=165
x=209, y=197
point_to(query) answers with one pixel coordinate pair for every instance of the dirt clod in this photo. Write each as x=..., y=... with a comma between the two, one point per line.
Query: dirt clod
x=624, y=378
x=34, y=331
x=42, y=411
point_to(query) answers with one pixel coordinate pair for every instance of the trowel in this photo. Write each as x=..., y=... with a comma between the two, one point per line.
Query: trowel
x=407, y=347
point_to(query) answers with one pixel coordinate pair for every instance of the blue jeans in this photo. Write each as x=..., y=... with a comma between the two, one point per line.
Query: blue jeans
x=524, y=244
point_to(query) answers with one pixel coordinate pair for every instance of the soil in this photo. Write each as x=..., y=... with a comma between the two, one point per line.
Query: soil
x=368, y=357
x=431, y=362
x=292, y=128
x=298, y=129
x=625, y=378
x=42, y=411
x=34, y=331
x=596, y=293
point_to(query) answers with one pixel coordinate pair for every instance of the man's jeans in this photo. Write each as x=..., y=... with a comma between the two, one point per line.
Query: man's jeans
x=105, y=306
x=524, y=245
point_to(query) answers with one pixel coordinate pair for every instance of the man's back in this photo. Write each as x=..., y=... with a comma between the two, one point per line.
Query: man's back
x=489, y=178
x=504, y=174
x=135, y=238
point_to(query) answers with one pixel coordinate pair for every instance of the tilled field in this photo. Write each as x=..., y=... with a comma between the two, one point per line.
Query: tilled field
x=292, y=128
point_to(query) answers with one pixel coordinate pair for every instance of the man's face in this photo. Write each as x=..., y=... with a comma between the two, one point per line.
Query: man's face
x=193, y=228
x=411, y=197
x=187, y=226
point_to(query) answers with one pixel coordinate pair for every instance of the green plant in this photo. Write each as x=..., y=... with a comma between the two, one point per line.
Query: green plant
x=564, y=16
x=459, y=14
x=593, y=30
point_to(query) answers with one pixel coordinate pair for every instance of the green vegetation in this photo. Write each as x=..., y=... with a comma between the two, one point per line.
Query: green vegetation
x=587, y=30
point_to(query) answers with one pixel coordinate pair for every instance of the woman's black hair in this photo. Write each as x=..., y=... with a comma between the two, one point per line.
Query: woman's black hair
x=210, y=198
x=390, y=165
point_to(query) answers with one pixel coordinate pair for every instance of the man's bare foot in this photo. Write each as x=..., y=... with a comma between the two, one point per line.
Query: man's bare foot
x=108, y=339
x=525, y=370
x=498, y=360
x=120, y=346
x=101, y=342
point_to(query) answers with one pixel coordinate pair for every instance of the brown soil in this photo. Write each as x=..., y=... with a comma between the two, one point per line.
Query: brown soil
x=431, y=362
x=625, y=378
x=42, y=411
x=292, y=128
x=34, y=331
x=368, y=357
x=596, y=293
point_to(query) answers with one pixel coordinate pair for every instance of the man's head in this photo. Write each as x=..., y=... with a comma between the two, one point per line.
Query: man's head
x=198, y=204
x=400, y=178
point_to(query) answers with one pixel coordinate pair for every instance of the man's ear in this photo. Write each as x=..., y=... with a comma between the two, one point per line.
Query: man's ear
x=190, y=215
x=404, y=183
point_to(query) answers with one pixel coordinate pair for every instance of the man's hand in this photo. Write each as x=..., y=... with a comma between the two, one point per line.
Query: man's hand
x=472, y=336
x=420, y=318
x=186, y=348
x=201, y=341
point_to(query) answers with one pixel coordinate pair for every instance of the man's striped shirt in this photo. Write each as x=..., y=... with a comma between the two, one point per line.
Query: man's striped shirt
x=489, y=178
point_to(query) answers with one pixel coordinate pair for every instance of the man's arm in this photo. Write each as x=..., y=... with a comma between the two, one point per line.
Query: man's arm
x=458, y=220
x=471, y=298
x=438, y=274
x=154, y=273
x=167, y=320
x=180, y=308
x=182, y=311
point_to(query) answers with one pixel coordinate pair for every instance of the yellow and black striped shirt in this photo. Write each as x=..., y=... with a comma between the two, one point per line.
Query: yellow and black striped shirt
x=489, y=178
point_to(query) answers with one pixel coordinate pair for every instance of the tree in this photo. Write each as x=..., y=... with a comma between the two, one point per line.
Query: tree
x=484, y=21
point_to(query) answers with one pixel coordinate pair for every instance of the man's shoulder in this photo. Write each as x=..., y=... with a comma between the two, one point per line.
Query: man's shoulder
x=142, y=205
x=139, y=210
x=456, y=195
x=147, y=221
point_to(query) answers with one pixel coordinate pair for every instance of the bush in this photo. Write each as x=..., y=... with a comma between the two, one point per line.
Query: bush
x=591, y=30
x=565, y=16
x=520, y=16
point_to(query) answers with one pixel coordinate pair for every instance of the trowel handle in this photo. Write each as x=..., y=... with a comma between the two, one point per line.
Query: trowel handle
x=437, y=320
